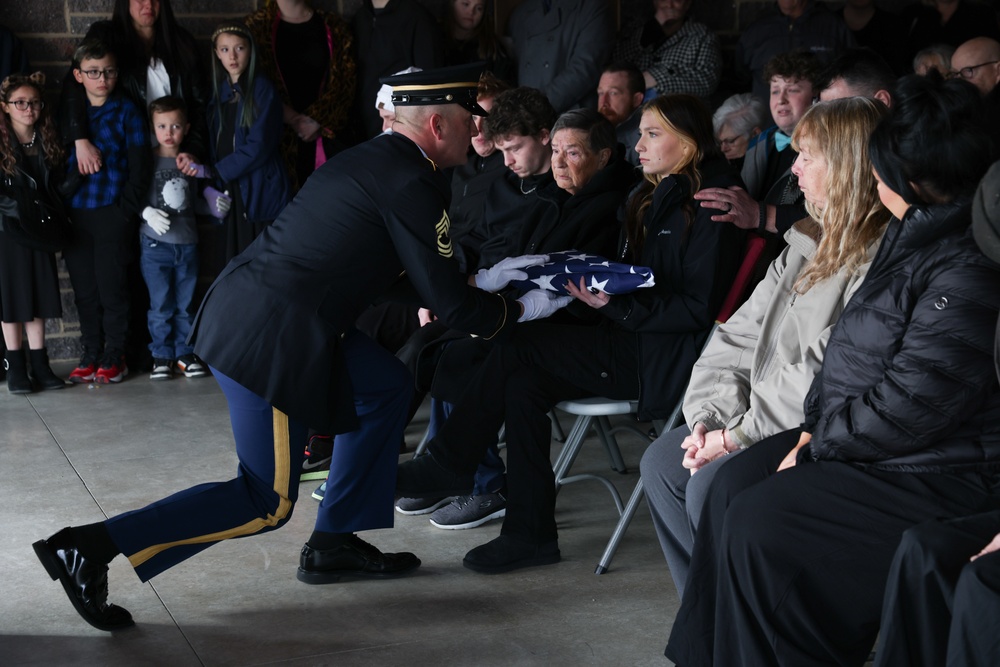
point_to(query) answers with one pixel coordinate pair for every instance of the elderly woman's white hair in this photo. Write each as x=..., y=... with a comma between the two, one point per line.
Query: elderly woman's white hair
x=742, y=113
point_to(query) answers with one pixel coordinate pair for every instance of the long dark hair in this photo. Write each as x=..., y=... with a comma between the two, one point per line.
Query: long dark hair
x=687, y=118
x=9, y=146
x=166, y=36
x=247, y=79
x=934, y=145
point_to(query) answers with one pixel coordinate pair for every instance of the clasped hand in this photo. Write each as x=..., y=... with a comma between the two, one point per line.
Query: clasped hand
x=704, y=446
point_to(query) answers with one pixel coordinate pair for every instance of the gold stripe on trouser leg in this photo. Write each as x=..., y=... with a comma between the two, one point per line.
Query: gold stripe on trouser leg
x=282, y=470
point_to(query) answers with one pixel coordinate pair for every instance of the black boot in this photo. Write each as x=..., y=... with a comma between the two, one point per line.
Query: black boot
x=42, y=372
x=17, y=373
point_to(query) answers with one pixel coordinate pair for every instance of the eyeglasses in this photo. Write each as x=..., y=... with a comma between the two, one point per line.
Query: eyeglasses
x=109, y=73
x=969, y=72
x=729, y=142
x=21, y=105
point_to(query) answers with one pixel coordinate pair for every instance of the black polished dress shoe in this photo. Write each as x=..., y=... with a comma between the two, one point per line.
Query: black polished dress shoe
x=355, y=559
x=507, y=553
x=424, y=477
x=85, y=581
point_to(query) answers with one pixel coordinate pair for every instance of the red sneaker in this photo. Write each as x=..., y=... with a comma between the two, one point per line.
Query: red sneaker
x=85, y=370
x=113, y=368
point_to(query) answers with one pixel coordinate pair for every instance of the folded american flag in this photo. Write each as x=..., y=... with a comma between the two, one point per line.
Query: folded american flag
x=598, y=272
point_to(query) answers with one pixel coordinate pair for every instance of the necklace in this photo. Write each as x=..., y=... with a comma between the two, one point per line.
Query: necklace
x=30, y=144
x=527, y=192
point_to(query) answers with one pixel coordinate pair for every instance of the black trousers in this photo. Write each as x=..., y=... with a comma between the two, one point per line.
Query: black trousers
x=941, y=609
x=517, y=385
x=790, y=568
x=97, y=262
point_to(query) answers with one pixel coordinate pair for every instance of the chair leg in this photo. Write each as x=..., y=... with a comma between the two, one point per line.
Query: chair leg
x=603, y=427
x=557, y=430
x=422, y=446
x=574, y=441
x=616, y=537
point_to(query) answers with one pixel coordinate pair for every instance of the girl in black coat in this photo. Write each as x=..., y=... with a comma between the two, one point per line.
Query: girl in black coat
x=643, y=349
x=29, y=287
x=902, y=423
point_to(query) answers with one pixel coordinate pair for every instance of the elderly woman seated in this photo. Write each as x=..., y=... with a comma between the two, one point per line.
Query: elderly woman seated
x=739, y=119
x=573, y=207
x=643, y=346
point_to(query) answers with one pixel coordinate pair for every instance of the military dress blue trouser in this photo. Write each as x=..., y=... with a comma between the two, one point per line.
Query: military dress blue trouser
x=270, y=447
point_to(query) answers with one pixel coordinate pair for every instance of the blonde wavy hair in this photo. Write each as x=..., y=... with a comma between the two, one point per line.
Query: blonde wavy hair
x=853, y=217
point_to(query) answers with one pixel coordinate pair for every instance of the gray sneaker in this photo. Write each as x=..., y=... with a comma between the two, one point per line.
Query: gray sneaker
x=414, y=506
x=470, y=511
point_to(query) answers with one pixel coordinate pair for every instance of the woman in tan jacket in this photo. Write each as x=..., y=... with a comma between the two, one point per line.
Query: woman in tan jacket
x=753, y=375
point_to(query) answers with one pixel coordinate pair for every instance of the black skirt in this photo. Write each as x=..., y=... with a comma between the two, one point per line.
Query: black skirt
x=29, y=286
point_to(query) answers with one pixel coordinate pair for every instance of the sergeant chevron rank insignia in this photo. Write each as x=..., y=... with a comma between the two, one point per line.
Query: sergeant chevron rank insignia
x=444, y=241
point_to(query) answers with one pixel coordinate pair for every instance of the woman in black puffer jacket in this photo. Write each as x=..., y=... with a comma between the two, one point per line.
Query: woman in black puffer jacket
x=902, y=423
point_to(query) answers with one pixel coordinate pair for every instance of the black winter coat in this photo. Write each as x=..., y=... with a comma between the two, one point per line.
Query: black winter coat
x=908, y=382
x=694, y=268
x=588, y=220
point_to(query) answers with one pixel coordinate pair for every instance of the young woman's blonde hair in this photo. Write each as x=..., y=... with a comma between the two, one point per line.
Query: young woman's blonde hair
x=853, y=216
x=687, y=118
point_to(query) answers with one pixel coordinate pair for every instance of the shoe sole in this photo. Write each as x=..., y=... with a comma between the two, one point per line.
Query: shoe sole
x=160, y=378
x=319, y=471
x=318, y=578
x=317, y=496
x=426, y=510
x=101, y=379
x=200, y=373
x=499, y=514
x=81, y=379
x=548, y=559
x=58, y=573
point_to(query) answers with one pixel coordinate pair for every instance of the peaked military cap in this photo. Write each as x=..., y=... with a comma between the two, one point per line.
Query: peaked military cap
x=445, y=85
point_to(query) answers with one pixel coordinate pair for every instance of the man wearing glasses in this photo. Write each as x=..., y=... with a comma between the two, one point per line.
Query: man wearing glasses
x=978, y=62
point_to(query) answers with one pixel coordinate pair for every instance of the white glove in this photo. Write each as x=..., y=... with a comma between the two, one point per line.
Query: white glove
x=539, y=303
x=156, y=219
x=496, y=277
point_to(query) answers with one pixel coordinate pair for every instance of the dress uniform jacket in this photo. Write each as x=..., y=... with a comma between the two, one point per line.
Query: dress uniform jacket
x=273, y=318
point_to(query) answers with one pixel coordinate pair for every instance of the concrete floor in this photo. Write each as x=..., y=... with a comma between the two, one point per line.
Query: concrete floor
x=80, y=455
